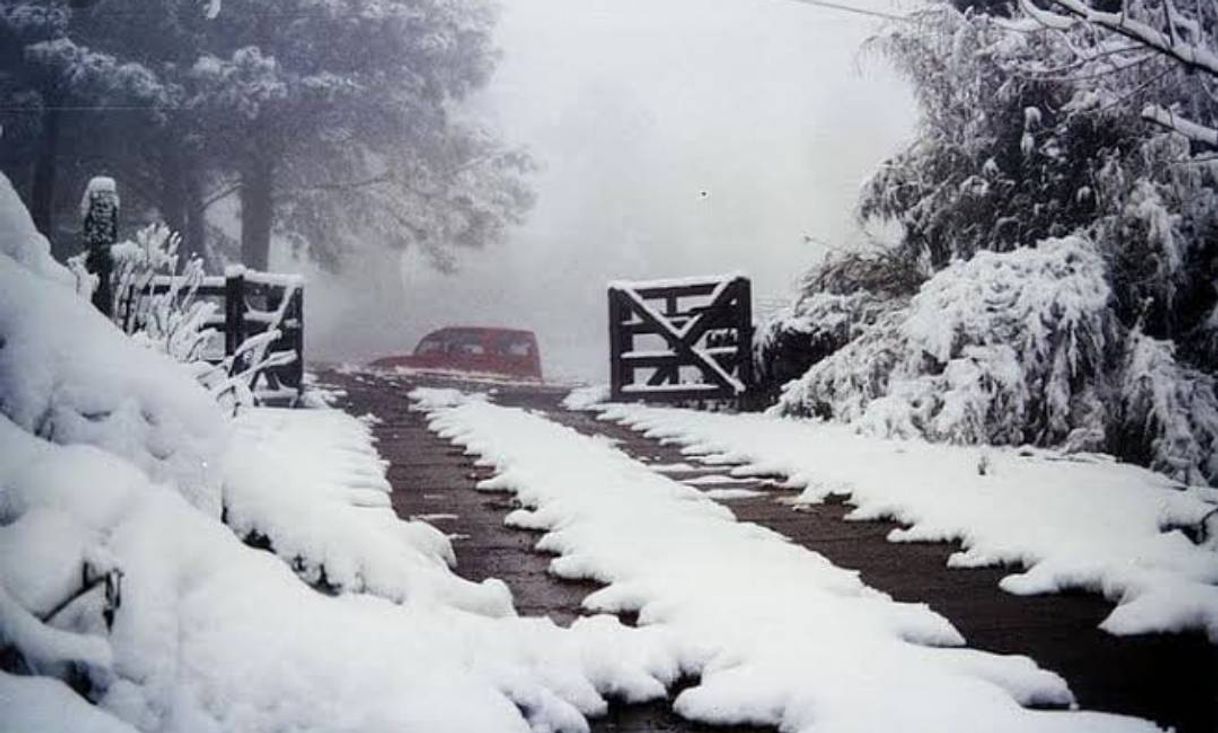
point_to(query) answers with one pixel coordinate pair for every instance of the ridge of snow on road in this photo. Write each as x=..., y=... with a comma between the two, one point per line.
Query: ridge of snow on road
x=311, y=483
x=1079, y=521
x=775, y=633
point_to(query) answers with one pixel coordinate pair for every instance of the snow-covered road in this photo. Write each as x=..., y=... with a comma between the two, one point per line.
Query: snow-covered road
x=776, y=634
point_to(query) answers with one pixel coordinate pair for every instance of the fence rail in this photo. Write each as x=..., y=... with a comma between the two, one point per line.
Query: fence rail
x=252, y=303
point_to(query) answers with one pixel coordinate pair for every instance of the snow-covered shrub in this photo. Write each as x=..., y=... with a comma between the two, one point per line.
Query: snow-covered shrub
x=1003, y=348
x=1014, y=348
x=172, y=321
x=1169, y=412
x=807, y=331
x=841, y=298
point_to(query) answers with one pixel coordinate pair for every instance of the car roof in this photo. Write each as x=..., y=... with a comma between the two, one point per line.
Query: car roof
x=480, y=331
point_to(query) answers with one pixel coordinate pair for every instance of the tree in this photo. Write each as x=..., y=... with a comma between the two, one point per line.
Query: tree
x=1038, y=133
x=335, y=123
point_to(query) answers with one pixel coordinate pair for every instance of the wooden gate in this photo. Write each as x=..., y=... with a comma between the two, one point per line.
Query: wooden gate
x=685, y=340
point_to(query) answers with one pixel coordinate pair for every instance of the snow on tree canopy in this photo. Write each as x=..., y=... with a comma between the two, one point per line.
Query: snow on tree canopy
x=1001, y=349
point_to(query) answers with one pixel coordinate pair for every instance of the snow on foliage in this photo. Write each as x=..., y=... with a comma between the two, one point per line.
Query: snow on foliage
x=773, y=632
x=1169, y=411
x=1014, y=348
x=1070, y=522
x=1002, y=348
x=810, y=329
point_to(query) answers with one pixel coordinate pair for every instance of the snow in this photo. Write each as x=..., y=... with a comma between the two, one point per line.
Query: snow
x=49, y=706
x=731, y=494
x=98, y=185
x=117, y=572
x=1079, y=521
x=677, y=282
x=21, y=241
x=583, y=398
x=311, y=484
x=773, y=632
x=69, y=376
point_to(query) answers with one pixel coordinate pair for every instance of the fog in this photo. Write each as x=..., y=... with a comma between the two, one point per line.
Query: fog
x=674, y=137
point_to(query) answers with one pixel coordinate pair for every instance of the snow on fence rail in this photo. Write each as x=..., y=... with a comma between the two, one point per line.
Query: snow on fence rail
x=690, y=337
x=253, y=303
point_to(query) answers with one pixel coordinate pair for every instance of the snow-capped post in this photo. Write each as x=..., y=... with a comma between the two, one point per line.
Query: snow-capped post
x=99, y=211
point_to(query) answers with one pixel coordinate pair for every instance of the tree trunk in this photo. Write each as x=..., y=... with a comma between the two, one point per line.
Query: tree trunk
x=194, y=236
x=257, y=211
x=42, y=195
x=172, y=199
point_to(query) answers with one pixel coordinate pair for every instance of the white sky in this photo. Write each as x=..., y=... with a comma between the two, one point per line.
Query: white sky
x=633, y=108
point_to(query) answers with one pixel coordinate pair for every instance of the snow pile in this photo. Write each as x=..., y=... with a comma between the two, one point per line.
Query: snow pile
x=1073, y=522
x=49, y=706
x=309, y=486
x=774, y=632
x=67, y=375
x=583, y=398
x=21, y=240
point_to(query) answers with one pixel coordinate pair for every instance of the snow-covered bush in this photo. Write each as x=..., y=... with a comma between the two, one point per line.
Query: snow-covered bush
x=172, y=321
x=841, y=297
x=1169, y=412
x=807, y=331
x=1014, y=348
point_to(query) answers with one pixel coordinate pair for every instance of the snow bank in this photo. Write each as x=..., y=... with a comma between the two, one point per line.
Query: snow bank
x=21, y=241
x=49, y=706
x=1074, y=521
x=584, y=398
x=310, y=484
x=214, y=635
x=111, y=577
x=776, y=633
x=68, y=375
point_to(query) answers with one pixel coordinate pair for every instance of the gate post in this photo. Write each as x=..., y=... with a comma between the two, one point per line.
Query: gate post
x=234, y=311
x=99, y=230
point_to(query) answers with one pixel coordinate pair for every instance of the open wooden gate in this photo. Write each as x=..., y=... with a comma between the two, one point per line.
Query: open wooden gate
x=683, y=340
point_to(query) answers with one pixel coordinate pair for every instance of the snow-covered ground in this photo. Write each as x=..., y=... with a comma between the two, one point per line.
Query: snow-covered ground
x=125, y=494
x=775, y=633
x=1077, y=521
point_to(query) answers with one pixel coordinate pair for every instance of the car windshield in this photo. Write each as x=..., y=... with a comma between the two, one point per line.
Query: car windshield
x=515, y=346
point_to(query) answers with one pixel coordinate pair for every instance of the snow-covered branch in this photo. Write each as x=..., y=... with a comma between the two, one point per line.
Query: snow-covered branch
x=1191, y=54
x=1166, y=118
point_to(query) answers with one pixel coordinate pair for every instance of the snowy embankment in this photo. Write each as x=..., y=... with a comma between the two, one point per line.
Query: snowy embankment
x=775, y=633
x=1079, y=521
x=119, y=576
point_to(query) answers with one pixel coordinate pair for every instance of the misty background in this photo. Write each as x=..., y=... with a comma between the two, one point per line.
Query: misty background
x=673, y=138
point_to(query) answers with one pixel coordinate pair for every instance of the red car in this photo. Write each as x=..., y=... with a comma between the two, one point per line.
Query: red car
x=492, y=351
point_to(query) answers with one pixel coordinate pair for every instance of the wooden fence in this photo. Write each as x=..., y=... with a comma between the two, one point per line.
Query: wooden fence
x=253, y=302
x=687, y=341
